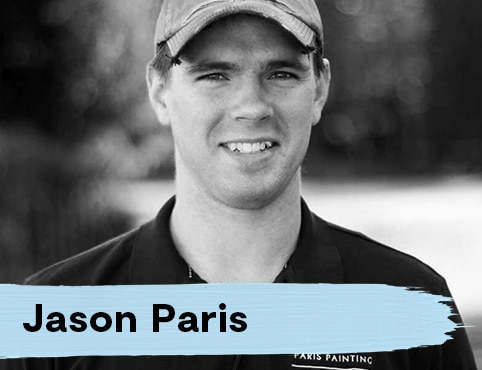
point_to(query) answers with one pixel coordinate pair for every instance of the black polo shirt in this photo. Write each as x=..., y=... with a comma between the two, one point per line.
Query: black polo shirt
x=325, y=253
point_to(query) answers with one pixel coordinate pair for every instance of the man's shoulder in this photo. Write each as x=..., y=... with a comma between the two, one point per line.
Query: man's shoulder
x=104, y=264
x=366, y=260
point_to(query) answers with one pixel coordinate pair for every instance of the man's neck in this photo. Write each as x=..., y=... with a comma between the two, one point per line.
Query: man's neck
x=224, y=244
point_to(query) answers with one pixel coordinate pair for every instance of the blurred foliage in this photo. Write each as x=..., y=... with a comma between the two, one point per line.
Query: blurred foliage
x=405, y=98
x=405, y=91
x=74, y=70
x=454, y=120
x=49, y=210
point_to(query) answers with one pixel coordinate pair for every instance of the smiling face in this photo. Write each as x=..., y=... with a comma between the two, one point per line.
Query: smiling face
x=241, y=106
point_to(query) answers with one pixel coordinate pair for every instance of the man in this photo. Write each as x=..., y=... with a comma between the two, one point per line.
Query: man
x=241, y=83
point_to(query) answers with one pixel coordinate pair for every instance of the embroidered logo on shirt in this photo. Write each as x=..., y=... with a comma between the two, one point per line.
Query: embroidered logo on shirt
x=332, y=362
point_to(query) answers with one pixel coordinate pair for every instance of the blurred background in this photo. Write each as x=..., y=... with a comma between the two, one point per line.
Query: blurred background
x=398, y=153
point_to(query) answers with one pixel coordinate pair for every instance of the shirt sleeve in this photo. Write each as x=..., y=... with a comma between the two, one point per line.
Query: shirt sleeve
x=455, y=353
x=27, y=364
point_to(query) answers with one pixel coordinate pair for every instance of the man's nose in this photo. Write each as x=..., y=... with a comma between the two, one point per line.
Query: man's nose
x=250, y=102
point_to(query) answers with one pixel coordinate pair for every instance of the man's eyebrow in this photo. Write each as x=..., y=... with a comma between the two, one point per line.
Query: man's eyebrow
x=207, y=66
x=292, y=64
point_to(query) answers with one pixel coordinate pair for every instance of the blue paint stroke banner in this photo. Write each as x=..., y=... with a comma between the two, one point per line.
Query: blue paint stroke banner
x=47, y=321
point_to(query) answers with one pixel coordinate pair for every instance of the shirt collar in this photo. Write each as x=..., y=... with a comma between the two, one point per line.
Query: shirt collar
x=316, y=258
x=155, y=259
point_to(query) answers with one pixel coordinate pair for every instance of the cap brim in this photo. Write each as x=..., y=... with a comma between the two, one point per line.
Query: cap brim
x=197, y=21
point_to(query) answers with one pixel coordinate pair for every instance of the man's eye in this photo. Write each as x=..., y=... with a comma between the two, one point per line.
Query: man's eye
x=282, y=76
x=213, y=77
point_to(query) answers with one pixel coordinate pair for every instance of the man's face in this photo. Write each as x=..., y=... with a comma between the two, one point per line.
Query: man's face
x=241, y=106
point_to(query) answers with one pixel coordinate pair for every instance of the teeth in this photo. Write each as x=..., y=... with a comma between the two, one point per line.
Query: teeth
x=247, y=148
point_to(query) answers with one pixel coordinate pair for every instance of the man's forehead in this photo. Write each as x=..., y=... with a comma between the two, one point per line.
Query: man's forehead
x=241, y=32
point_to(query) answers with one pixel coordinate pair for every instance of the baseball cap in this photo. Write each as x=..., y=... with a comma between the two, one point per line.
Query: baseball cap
x=180, y=20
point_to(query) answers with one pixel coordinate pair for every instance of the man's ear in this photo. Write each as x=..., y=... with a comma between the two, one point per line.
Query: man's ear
x=321, y=93
x=156, y=85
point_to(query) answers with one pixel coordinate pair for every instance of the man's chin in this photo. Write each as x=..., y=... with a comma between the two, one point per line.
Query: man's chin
x=251, y=198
